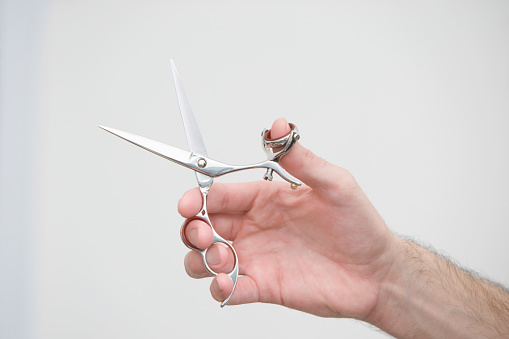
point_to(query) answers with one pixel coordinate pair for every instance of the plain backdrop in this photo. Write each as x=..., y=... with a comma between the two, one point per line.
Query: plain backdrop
x=412, y=97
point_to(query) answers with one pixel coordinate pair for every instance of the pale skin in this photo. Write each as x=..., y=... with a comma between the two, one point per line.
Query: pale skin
x=325, y=250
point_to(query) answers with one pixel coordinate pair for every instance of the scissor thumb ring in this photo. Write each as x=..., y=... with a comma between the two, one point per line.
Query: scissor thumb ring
x=275, y=149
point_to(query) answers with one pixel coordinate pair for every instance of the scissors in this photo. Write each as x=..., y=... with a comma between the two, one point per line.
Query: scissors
x=207, y=169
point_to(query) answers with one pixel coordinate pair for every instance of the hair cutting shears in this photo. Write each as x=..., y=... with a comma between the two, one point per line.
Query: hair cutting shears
x=207, y=169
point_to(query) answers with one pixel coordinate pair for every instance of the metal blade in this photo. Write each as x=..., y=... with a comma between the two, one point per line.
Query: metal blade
x=194, y=139
x=171, y=153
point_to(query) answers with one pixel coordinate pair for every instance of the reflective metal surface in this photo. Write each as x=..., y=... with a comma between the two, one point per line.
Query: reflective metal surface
x=213, y=168
x=275, y=149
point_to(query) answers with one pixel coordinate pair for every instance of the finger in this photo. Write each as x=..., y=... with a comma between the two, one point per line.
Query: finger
x=245, y=292
x=279, y=129
x=219, y=258
x=222, y=197
x=227, y=225
x=193, y=264
x=199, y=234
x=302, y=163
x=190, y=203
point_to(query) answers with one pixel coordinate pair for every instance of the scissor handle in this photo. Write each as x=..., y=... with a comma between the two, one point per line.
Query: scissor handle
x=275, y=149
x=217, y=239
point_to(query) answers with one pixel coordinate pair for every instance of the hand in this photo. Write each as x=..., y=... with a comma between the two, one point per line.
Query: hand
x=322, y=248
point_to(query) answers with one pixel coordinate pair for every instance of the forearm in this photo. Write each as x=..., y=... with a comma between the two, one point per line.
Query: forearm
x=424, y=296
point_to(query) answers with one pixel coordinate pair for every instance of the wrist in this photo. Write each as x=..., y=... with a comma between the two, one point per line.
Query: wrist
x=390, y=294
x=424, y=296
x=396, y=298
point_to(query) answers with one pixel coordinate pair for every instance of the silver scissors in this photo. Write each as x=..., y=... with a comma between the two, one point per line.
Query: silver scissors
x=207, y=169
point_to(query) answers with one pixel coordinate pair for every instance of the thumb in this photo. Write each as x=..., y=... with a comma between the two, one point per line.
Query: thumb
x=301, y=162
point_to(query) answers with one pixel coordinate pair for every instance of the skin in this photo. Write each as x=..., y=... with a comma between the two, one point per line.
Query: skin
x=325, y=250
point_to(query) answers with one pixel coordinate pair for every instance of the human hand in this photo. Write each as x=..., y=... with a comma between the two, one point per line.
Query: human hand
x=322, y=248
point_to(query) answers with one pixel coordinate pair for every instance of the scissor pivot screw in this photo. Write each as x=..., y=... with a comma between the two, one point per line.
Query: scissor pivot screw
x=202, y=163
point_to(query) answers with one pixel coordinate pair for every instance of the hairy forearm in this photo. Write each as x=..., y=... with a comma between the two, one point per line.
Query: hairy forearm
x=425, y=296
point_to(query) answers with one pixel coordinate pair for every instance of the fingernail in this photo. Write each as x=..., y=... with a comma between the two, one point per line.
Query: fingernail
x=192, y=235
x=217, y=286
x=214, y=258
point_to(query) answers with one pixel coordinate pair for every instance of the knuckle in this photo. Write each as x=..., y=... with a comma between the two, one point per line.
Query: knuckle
x=193, y=266
x=344, y=184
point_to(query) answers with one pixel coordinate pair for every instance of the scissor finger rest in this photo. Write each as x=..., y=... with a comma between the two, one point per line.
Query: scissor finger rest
x=217, y=239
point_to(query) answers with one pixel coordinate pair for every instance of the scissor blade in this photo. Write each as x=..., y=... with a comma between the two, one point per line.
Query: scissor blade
x=171, y=153
x=194, y=139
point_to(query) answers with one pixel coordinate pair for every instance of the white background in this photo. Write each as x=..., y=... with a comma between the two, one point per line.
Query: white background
x=411, y=97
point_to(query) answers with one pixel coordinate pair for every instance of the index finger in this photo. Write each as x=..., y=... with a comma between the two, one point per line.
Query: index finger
x=224, y=198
